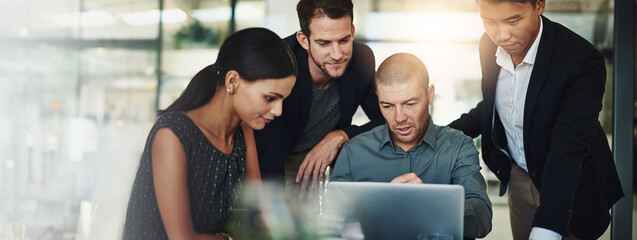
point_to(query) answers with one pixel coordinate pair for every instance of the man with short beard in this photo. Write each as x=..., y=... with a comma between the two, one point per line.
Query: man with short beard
x=410, y=148
x=335, y=77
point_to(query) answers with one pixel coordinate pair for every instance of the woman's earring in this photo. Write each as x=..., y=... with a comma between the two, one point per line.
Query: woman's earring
x=229, y=90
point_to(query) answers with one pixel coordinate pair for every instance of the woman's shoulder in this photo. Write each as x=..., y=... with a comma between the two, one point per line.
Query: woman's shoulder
x=179, y=123
x=172, y=119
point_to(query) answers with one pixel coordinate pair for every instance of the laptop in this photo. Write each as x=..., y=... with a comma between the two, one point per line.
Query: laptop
x=394, y=211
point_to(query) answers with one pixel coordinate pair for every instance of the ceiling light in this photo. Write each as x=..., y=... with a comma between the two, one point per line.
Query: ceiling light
x=243, y=11
x=86, y=19
x=149, y=17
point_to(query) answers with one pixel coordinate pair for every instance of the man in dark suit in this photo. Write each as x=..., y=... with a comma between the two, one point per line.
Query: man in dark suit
x=542, y=88
x=336, y=75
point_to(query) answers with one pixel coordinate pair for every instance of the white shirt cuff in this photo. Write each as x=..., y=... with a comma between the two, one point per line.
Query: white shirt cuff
x=538, y=233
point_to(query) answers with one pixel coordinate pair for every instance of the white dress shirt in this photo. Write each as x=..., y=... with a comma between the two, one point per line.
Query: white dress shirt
x=510, y=97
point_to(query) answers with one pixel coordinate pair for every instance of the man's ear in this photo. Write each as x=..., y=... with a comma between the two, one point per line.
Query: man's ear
x=430, y=93
x=232, y=80
x=540, y=4
x=303, y=39
x=353, y=30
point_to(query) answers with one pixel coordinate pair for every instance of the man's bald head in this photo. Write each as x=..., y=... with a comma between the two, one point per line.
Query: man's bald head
x=404, y=96
x=400, y=68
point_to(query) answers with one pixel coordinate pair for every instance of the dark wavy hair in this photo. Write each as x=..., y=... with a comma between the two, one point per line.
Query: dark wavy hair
x=334, y=9
x=255, y=53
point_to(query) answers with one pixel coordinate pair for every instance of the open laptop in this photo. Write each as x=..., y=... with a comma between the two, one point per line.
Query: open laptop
x=396, y=211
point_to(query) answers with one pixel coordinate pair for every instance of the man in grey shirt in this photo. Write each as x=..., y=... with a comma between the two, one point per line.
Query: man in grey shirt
x=409, y=148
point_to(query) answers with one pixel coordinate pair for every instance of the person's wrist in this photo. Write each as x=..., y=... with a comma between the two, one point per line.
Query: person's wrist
x=538, y=233
x=345, y=135
x=344, y=138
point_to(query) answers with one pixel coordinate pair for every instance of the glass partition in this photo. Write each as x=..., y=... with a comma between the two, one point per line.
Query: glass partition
x=78, y=96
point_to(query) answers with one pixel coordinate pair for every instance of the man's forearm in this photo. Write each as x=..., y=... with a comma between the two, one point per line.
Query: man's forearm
x=477, y=218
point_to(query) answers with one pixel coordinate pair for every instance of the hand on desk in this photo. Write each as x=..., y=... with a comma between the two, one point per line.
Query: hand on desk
x=407, y=178
x=317, y=160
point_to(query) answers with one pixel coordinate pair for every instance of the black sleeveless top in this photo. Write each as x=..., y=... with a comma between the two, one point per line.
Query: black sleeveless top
x=214, y=181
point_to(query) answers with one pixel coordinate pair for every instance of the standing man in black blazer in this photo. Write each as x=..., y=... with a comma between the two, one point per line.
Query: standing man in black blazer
x=336, y=75
x=542, y=88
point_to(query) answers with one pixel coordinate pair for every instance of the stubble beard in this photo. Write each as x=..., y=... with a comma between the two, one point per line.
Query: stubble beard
x=321, y=66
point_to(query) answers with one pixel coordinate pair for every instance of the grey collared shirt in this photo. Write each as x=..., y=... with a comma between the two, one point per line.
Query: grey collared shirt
x=443, y=156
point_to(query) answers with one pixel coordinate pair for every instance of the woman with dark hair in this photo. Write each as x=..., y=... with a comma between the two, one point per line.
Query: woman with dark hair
x=201, y=147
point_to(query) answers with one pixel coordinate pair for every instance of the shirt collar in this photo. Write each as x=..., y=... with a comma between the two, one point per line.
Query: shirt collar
x=429, y=138
x=503, y=59
x=532, y=53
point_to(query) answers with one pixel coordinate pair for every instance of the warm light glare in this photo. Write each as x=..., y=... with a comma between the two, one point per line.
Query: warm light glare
x=429, y=26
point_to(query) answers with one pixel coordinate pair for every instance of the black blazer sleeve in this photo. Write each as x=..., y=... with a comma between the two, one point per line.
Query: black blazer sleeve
x=470, y=123
x=575, y=126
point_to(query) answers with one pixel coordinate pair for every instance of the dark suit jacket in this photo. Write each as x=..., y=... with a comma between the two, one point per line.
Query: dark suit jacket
x=567, y=154
x=277, y=140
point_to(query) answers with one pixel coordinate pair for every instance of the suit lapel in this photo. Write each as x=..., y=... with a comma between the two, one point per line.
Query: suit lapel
x=490, y=72
x=347, y=91
x=539, y=74
x=304, y=81
x=498, y=136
